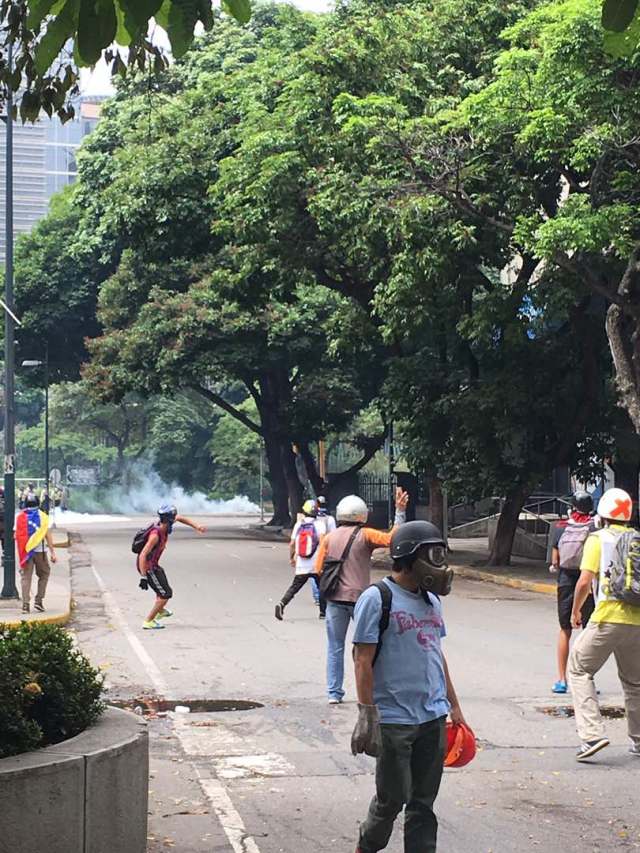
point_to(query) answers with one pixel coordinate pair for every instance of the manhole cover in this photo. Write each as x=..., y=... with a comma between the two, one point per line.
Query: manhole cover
x=154, y=705
x=613, y=712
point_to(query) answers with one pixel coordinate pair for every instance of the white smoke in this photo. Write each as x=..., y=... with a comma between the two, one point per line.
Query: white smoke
x=145, y=491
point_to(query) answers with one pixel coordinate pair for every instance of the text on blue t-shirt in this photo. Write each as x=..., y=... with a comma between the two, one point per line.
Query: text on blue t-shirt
x=409, y=685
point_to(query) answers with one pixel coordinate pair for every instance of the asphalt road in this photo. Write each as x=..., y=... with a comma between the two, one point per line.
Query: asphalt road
x=280, y=778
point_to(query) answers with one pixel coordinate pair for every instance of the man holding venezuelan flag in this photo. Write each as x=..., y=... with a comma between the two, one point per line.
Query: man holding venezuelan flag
x=32, y=533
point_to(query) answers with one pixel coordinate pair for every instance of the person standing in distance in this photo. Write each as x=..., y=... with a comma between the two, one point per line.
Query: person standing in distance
x=305, y=539
x=328, y=526
x=358, y=542
x=567, y=541
x=614, y=628
x=148, y=563
x=33, y=538
x=405, y=691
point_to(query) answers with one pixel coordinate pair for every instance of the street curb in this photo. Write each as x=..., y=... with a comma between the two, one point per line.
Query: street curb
x=58, y=619
x=502, y=580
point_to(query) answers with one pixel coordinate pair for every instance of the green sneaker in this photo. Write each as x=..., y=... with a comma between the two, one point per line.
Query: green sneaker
x=152, y=626
x=164, y=614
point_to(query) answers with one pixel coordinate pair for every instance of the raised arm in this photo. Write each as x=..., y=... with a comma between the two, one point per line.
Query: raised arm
x=194, y=524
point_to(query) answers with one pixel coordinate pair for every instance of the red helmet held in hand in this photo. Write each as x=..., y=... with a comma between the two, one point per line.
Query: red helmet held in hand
x=461, y=745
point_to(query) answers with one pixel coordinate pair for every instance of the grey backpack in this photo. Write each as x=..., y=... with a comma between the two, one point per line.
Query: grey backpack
x=571, y=544
x=624, y=570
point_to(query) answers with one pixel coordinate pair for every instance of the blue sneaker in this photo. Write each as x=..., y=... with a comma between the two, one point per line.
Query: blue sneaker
x=559, y=687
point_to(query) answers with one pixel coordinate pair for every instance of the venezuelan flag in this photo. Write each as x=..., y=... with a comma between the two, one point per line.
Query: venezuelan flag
x=31, y=528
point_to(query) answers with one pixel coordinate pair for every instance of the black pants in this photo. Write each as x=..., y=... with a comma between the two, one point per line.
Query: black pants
x=296, y=585
x=408, y=773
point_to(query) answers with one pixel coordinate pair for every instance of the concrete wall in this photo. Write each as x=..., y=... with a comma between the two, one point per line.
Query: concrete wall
x=86, y=795
x=471, y=529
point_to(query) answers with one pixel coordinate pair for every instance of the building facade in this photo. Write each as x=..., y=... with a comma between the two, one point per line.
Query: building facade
x=44, y=161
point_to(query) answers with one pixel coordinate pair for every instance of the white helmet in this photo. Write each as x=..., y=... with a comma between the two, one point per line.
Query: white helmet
x=352, y=509
x=615, y=505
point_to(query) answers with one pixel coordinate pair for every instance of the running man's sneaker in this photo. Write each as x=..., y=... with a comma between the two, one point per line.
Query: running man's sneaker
x=164, y=614
x=322, y=615
x=590, y=747
x=559, y=687
x=152, y=626
x=279, y=611
x=335, y=701
x=25, y=608
x=39, y=607
x=634, y=749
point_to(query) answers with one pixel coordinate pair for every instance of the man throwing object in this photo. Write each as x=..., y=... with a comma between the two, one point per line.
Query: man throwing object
x=153, y=575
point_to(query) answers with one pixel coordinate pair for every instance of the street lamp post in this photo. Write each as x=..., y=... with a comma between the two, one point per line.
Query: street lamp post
x=45, y=364
x=8, y=558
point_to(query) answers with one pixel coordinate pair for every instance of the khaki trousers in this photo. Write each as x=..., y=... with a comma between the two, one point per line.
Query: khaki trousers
x=594, y=646
x=40, y=562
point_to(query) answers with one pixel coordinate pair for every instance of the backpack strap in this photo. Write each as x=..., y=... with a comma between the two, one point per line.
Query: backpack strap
x=387, y=598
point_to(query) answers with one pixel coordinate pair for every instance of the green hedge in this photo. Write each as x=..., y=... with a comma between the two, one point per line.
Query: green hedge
x=48, y=689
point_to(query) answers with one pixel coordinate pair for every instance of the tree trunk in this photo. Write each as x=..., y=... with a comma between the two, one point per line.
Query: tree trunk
x=436, y=503
x=294, y=485
x=279, y=489
x=319, y=486
x=500, y=554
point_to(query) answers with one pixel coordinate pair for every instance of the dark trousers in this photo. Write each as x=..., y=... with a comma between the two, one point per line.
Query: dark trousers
x=296, y=585
x=408, y=773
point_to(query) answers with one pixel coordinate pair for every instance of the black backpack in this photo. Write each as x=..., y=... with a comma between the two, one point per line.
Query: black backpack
x=140, y=539
x=387, y=599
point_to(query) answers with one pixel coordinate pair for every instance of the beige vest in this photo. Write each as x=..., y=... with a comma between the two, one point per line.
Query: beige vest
x=355, y=576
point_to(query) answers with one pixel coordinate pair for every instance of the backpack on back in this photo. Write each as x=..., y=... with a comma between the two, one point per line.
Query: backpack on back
x=140, y=539
x=624, y=570
x=571, y=545
x=307, y=539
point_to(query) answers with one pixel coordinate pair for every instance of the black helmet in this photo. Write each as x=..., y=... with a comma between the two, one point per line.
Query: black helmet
x=31, y=500
x=582, y=502
x=407, y=538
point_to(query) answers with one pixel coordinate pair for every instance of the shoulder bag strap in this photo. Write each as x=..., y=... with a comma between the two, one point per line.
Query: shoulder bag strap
x=347, y=548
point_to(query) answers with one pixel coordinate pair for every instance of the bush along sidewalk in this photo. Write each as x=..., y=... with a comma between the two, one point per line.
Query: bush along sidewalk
x=49, y=691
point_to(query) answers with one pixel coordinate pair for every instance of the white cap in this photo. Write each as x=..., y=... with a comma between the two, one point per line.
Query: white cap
x=352, y=509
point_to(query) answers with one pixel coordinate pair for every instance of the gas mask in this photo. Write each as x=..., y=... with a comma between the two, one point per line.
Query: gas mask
x=430, y=567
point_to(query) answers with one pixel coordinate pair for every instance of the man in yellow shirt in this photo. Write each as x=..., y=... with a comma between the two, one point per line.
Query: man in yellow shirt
x=614, y=628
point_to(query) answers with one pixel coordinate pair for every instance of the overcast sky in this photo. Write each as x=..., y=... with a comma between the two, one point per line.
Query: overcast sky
x=98, y=82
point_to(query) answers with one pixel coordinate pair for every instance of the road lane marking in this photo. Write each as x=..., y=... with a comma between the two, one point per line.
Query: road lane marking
x=155, y=675
x=229, y=818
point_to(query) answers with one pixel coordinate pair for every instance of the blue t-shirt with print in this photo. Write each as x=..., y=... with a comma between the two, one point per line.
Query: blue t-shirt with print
x=409, y=685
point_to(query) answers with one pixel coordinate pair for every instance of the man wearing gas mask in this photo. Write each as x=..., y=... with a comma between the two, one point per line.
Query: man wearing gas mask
x=404, y=688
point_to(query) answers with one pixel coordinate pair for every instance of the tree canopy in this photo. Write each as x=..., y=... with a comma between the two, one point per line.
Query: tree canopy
x=428, y=210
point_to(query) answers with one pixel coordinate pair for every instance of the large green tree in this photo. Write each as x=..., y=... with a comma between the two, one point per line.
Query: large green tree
x=341, y=181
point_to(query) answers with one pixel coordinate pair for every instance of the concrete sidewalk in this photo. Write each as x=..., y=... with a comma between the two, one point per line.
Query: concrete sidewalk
x=58, y=597
x=468, y=556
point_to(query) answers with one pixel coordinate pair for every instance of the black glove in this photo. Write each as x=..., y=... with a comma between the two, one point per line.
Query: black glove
x=367, y=736
x=144, y=583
